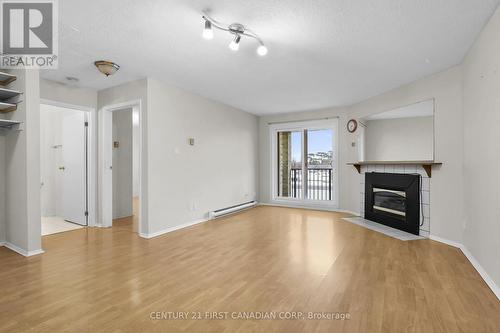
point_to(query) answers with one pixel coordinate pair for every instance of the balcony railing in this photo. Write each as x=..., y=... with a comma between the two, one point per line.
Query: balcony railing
x=319, y=183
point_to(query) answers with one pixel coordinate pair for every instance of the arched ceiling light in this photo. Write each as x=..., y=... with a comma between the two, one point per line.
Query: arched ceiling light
x=106, y=67
x=236, y=29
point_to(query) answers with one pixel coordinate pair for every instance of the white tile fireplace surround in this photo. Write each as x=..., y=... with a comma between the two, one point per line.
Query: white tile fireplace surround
x=406, y=169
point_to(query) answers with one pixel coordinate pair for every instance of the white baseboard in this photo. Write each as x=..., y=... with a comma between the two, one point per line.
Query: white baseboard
x=489, y=281
x=165, y=231
x=321, y=208
x=477, y=266
x=445, y=241
x=21, y=251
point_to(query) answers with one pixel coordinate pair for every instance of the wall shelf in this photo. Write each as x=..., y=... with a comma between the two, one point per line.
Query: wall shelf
x=7, y=107
x=5, y=78
x=8, y=93
x=10, y=124
x=427, y=165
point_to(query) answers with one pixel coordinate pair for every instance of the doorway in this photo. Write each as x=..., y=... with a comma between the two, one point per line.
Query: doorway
x=120, y=169
x=64, y=168
x=125, y=130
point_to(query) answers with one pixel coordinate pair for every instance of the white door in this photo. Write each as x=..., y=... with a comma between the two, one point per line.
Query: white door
x=73, y=167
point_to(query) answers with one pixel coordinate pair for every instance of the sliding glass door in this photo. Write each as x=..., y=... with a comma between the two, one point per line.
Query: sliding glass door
x=305, y=161
x=319, y=166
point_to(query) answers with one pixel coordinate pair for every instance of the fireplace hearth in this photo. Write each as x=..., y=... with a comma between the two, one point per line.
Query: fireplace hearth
x=394, y=200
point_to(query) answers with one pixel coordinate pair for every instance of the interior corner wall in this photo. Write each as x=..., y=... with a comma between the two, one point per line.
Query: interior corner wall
x=481, y=100
x=447, y=215
x=265, y=152
x=219, y=170
x=22, y=169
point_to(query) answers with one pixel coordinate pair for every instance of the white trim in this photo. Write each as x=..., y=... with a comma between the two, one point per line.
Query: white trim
x=299, y=206
x=474, y=262
x=445, y=241
x=489, y=281
x=91, y=155
x=104, y=160
x=22, y=252
x=171, y=229
x=329, y=123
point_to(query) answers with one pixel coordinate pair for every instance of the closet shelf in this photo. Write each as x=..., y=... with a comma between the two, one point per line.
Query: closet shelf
x=7, y=107
x=5, y=78
x=8, y=93
x=9, y=123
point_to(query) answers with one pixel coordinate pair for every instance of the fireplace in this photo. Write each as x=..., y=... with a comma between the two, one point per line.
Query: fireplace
x=393, y=200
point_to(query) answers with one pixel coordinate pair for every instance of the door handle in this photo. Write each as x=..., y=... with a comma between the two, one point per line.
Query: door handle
x=62, y=168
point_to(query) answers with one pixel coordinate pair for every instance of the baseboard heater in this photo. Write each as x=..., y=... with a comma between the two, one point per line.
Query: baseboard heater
x=232, y=209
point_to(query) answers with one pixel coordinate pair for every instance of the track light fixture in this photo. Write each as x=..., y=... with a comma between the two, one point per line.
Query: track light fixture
x=237, y=30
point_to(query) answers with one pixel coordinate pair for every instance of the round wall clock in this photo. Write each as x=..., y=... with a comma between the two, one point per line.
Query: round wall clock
x=352, y=125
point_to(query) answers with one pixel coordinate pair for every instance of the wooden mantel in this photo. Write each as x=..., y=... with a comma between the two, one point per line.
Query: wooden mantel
x=427, y=165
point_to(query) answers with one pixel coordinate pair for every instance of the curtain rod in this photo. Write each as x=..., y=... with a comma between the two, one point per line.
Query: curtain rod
x=300, y=121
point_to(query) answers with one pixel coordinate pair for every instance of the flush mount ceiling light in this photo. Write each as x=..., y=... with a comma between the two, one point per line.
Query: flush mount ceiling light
x=236, y=29
x=106, y=67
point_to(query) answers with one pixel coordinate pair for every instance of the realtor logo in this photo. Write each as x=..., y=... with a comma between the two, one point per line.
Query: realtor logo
x=29, y=34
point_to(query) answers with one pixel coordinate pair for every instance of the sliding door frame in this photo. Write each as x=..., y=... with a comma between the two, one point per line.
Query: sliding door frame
x=274, y=129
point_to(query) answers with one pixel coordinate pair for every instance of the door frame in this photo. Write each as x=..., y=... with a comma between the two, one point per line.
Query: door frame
x=91, y=155
x=105, y=187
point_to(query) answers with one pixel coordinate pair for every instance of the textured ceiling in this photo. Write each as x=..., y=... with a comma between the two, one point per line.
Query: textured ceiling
x=322, y=53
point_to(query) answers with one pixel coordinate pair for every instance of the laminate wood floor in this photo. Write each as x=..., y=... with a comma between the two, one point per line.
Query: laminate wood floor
x=269, y=260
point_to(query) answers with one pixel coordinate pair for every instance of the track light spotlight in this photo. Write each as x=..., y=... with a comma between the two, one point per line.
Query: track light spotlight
x=235, y=43
x=262, y=50
x=208, y=33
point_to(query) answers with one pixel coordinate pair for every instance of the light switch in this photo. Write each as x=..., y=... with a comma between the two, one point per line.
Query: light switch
x=191, y=141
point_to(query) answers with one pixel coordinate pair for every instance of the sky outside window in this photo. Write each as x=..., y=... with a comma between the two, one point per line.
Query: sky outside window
x=319, y=141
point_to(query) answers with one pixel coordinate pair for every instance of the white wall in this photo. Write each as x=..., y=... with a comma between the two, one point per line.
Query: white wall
x=22, y=171
x=482, y=149
x=122, y=164
x=63, y=93
x=389, y=139
x=220, y=170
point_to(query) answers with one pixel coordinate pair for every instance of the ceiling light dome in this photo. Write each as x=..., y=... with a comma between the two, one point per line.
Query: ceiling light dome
x=106, y=67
